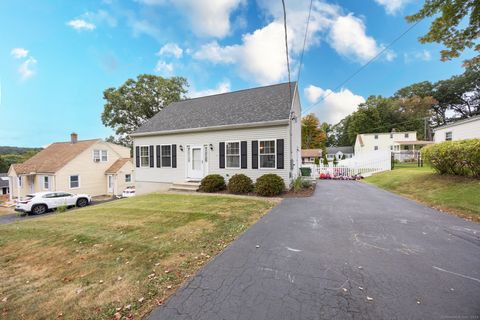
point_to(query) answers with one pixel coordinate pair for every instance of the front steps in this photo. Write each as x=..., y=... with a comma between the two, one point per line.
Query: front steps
x=185, y=186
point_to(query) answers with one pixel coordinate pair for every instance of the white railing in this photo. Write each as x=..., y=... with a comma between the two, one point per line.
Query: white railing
x=364, y=165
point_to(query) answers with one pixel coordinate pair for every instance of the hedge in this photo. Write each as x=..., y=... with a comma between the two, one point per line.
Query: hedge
x=212, y=183
x=461, y=158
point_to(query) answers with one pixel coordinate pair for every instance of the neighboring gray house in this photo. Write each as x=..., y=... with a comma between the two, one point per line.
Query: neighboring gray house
x=254, y=131
x=339, y=152
x=4, y=184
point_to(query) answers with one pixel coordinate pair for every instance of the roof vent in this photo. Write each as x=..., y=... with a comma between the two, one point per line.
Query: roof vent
x=73, y=137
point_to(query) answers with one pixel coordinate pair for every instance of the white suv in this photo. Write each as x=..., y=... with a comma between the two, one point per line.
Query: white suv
x=40, y=202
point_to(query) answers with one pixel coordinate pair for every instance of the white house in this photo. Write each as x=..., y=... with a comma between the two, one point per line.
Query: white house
x=468, y=128
x=254, y=132
x=404, y=145
x=309, y=155
x=339, y=152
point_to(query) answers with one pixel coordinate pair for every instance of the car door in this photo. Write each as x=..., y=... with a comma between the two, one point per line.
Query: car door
x=62, y=199
x=50, y=200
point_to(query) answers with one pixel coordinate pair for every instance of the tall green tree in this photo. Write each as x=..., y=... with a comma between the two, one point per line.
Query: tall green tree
x=456, y=25
x=134, y=102
x=313, y=137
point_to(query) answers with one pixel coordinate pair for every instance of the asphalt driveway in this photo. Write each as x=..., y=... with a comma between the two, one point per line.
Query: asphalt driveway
x=352, y=251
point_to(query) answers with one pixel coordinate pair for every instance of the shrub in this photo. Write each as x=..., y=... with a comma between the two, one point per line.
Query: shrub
x=240, y=183
x=306, y=171
x=454, y=157
x=212, y=183
x=307, y=183
x=316, y=161
x=269, y=185
x=325, y=161
x=297, y=184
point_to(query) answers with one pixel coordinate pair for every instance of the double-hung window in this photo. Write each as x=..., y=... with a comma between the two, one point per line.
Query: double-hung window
x=166, y=152
x=267, y=154
x=19, y=182
x=448, y=136
x=144, y=156
x=104, y=155
x=74, y=181
x=46, y=183
x=406, y=135
x=128, y=177
x=96, y=155
x=376, y=136
x=232, y=154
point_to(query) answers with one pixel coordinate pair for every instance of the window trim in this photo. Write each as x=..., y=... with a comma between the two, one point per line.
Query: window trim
x=70, y=181
x=93, y=155
x=239, y=154
x=129, y=175
x=140, y=155
x=106, y=155
x=47, y=180
x=161, y=156
x=275, y=154
x=451, y=135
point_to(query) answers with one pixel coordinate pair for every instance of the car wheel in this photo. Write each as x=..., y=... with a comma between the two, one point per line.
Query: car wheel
x=82, y=202
x=39, y=209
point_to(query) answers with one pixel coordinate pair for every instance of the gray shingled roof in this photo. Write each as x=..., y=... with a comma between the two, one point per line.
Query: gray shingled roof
x=334, y=150
x=268, y=103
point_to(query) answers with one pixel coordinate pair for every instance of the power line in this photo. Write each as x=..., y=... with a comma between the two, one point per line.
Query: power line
x=363, y=66
x=286, y=49
x=304, y=42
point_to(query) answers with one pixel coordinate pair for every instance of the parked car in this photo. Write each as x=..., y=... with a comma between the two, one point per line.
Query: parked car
x=38, y=203
x=128, y=192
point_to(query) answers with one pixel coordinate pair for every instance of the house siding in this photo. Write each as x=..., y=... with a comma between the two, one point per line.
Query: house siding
x=383, y=142
x=467, y=130
x=296, y=136
x=149, y=179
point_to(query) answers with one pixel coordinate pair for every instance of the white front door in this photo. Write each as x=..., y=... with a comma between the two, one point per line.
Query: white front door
x=195, y=160
x=110, y=183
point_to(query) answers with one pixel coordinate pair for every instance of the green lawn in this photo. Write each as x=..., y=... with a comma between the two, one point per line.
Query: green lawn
x=457, y=195
x=124, y=256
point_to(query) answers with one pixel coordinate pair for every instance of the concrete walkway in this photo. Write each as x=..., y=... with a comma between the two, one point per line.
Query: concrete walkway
x=351, y=251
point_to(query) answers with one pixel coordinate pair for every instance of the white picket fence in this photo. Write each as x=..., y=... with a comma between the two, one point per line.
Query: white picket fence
x=364, y=165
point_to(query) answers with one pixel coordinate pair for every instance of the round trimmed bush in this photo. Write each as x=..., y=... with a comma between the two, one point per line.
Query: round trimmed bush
x=269, y=185
x=212, y=183
x=240, y=183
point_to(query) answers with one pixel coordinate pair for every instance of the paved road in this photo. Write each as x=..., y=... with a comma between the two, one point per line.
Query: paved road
x=14, y=217
x=323, y=258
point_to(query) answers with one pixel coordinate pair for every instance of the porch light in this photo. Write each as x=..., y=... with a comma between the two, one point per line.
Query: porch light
x=181, y=148
x=211, y=146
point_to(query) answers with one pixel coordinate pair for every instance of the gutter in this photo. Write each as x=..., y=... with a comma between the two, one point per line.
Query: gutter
x=214, y=128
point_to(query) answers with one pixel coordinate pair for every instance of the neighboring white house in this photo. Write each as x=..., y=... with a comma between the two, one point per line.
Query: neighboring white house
x=95, y=167
x=4, y=185
x=404, y=145
x=461, y=129
x=339, y=152
x=254, y=132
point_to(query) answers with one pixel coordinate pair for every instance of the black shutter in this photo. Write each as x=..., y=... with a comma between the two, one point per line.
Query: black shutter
x=243, y=154
x=280, y=157
x=255, y=154
x=221, y=152
x=137, y=157
x=151, y=157
x=159, y=162
x=174, y=155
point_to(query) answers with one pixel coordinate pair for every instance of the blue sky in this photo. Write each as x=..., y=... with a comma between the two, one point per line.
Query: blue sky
x=57, y=57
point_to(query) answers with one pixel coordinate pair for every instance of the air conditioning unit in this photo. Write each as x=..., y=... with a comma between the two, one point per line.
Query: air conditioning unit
x=96, y=160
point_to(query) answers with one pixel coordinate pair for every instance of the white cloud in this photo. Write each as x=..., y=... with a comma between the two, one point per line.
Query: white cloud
x=392, y=6
x=424, y=55
x=164, y=68
x=207, y=18
x=390, y=55
x=26, y=68
x=80, y=24
x=222, y=87
x=19, y=53
x=348, y=38
x=261, y=54
x=333, y=106
x=171, y=49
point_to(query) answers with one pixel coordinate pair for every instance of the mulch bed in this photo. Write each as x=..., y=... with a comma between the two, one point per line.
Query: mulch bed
x=304, y=193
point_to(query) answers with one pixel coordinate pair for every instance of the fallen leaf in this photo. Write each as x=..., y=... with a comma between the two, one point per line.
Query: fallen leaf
x=141, y=299
x=369, y=298
x=5, y=299
x=169, y=287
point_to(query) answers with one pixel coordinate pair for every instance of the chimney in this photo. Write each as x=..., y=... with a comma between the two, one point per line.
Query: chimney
x=73, y=137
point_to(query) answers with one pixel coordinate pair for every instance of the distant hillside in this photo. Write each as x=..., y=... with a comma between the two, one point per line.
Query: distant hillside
x=16, y=150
